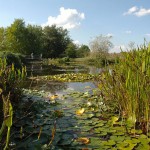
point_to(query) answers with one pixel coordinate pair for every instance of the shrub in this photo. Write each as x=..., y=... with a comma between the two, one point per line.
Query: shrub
x=16, y=59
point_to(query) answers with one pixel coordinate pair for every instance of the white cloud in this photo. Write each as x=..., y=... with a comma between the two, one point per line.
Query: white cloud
x=137, y=12
x=142, y=12
x=128, y=32
x=118, y=48
x=68, y=19
x=131, y=10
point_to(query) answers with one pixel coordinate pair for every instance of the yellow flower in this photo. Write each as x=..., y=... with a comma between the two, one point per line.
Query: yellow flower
x=80, y=111
x=53, y=97
x=83, y=140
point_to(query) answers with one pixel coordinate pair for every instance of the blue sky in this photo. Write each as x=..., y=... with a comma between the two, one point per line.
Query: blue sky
x=125, y=20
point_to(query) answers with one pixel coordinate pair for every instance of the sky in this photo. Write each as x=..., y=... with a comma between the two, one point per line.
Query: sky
x=125, y=20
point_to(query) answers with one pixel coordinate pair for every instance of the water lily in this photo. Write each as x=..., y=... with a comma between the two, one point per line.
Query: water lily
x=83, y=140
x=80, y=111
x=53, y=97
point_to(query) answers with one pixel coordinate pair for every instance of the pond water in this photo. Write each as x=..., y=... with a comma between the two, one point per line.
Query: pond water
x=40, y=69
x=68, y=115
x=60, y=87
x=43, y=111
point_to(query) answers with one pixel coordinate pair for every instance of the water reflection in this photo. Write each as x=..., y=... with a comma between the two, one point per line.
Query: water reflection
x=46, y=86
x=40, y=69
x=59, y=87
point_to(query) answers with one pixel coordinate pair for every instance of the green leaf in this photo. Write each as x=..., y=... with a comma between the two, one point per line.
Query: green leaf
x=8, y=120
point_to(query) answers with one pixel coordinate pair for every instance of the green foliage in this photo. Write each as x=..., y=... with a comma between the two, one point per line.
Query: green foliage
x=128, y=85
x=35, y=39
x=10, y=82
x=19, y=38
x=8, y=115
x=55, y=41
x=16, y=37
x=13, y=58
x=71, y=50
x=83, y=51
x=64, y=60
x=2, y=39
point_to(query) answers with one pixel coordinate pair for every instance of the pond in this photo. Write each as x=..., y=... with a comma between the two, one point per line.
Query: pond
x=68, y=115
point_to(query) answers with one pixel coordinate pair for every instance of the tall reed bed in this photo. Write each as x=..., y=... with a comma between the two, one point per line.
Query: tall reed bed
x=127, y=86
x=10, y=81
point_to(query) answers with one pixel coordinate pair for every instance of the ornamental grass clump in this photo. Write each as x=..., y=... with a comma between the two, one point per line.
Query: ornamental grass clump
x=127, y=86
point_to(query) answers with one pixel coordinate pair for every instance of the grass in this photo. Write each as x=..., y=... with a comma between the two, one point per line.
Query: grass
x=127, y=85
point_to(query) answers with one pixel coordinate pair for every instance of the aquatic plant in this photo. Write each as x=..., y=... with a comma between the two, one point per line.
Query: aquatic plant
x=10, y=82
x=127, y=85
x=72, y=77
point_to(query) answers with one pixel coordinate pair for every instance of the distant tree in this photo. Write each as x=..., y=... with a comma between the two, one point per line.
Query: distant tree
x=16, y=36
x=71, y=50
x=83, y=51
x=56, y=40
x=35, y=39
x=2, y=39
x=100, y=46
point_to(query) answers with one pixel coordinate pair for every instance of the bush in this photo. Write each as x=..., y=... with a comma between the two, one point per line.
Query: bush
x=16, y=59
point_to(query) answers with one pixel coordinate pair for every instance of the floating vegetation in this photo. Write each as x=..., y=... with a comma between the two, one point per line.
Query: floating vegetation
x=80, y=111
x=72, y=77
x=48, y=126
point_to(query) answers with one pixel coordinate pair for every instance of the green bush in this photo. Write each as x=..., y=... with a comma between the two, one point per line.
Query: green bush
x=16, y=59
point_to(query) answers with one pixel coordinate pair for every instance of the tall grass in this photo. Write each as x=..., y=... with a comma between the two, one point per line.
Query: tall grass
x=10, y=82
x=127, y=85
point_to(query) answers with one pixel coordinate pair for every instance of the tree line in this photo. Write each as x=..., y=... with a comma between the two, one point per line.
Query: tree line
x=50, y=41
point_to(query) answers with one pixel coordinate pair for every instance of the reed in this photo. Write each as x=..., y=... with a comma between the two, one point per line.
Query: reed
x=10, y=88
x=127, y=84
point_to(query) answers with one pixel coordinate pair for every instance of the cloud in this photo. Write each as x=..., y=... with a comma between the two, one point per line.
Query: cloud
x=118, y=48
x=68, y=19
x=137, y=12
x=128, y=32
x=142, y=12
x=131, y=10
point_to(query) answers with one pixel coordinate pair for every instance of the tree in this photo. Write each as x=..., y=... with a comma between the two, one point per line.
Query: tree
x=100, y=46
x=2, y=39
x=16, y=37
x=56, y=40
x=35, y=39
x=83, y=51
x=71, y=50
